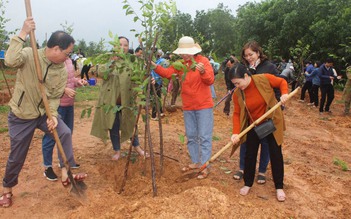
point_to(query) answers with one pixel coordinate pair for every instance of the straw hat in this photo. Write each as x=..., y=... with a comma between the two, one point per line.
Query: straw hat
x=187, y=46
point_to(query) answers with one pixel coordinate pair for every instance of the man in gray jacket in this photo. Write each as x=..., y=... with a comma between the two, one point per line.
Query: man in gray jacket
x=27, y=108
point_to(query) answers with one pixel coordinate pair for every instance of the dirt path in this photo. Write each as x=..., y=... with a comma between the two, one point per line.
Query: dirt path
x=315, y=187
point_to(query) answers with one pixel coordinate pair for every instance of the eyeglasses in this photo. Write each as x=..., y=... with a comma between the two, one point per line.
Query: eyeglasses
x=67, y=54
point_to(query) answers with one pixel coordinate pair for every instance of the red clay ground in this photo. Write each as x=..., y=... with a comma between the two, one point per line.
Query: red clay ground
x=315, y=187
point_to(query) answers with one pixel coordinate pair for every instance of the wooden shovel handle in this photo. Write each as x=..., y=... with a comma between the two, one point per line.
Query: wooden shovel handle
x=214, y=157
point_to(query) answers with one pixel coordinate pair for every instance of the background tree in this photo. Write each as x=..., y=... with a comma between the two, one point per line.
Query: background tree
x=3, y=20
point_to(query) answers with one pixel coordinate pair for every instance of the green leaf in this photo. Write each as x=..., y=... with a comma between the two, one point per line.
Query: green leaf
x=181, y=138
x=178, y=65
x=149, y=6
x=137, y=89
x=83, y=113
x=89, y=111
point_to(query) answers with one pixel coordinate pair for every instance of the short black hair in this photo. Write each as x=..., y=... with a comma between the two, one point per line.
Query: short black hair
x=138, y=49
x=61, y=39
x=329, y=60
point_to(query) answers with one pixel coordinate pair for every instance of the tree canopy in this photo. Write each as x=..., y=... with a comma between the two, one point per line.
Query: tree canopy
x=278, y=25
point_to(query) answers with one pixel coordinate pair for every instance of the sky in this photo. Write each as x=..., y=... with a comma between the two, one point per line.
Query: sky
x=92, y=19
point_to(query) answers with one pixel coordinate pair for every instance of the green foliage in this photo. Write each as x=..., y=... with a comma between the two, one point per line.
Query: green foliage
x=92, y=48
x=86, y=93
x=3, y=20
x=216, y=138
x=4, y=109
x=3, y=130
x=181, y=138
x=68, y=28
x=86, y=111
x=341, y=163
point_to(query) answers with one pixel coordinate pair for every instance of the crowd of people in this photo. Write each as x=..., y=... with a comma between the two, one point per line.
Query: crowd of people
x=254, y=85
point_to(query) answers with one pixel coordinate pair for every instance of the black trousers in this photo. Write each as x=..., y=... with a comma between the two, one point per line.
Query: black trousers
x=307, y=86
x=276, y=156
x=158, y=88
x=327, y=93
x=315, y=96
x=85, y=71
x=226, y=108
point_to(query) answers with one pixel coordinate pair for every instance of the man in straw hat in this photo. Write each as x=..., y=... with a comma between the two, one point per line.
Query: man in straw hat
x=197, y=101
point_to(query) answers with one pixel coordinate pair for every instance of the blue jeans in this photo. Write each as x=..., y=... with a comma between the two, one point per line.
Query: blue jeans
x=199, y=129
x=264, y=157
x=115, y=136
x=48, y=143
x=213, y=92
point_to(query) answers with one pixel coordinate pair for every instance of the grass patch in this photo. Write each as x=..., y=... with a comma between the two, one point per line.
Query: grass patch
x=3, y=130
x=4, y=109
x=341, y=163
x=87, y=93
x=216, y=138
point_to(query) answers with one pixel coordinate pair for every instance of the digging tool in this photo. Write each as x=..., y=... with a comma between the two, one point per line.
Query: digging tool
x=78, y=187
x=188, y=176
x=223, y=98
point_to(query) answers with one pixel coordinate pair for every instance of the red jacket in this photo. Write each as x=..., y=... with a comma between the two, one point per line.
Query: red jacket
x=196, y=93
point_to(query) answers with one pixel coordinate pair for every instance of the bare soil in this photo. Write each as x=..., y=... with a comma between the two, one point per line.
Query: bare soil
x=314, y=185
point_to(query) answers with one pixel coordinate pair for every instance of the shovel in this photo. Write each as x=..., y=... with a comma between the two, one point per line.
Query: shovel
x=78, y=187
x=189, y=176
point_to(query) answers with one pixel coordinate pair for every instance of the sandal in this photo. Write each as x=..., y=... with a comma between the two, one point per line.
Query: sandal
x=192, y=166
x=261, y=179
x=238, y=175
x=280, y=195
x=6, y=200
x=203, y=174
x=77, y=177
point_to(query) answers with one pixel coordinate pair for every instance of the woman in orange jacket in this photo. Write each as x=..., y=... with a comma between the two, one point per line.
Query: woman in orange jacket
x=197, y=101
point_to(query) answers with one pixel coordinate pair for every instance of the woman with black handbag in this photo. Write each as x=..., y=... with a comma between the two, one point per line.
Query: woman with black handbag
x=254, y=96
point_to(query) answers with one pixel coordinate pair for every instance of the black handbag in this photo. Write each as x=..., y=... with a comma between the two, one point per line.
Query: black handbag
x=265, y=128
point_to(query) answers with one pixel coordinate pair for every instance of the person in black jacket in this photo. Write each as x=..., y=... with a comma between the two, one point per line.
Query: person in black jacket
x=326, y=75
x=227, y=65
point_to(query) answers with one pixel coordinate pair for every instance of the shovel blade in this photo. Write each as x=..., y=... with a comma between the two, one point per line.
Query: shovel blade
x=79, y=189
x=186, y=177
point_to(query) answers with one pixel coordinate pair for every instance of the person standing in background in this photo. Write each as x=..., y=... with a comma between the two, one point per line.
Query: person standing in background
x=227, y=65
x=66, y=112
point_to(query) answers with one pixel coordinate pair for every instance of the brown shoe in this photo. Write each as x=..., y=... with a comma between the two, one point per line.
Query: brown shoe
x=6, y=200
